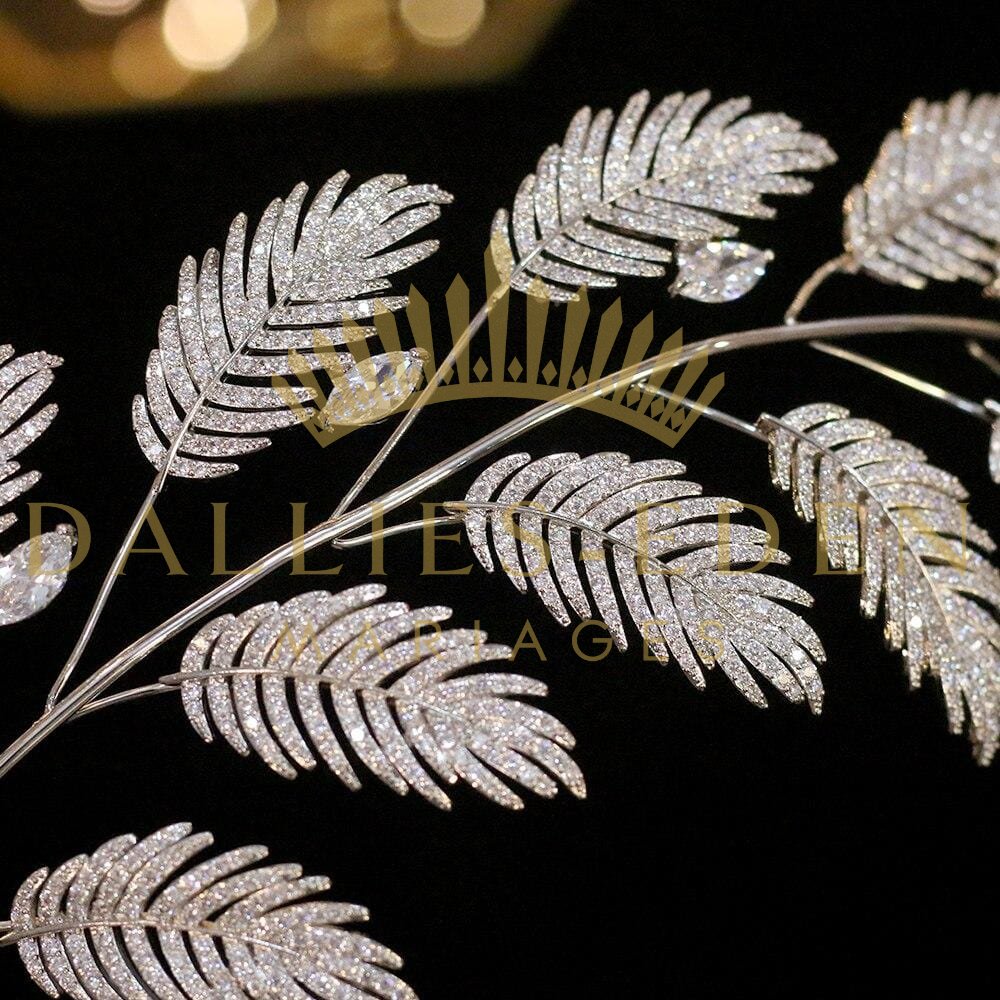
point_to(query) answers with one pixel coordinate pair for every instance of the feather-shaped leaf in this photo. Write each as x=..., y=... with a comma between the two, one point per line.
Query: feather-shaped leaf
x=23, y=381
x=137, y=919
x=210, y=381
x=885, y=512
x=33, y=574
x=609, y=537
x=365, y=678
x=930, y=206
x=604, y=203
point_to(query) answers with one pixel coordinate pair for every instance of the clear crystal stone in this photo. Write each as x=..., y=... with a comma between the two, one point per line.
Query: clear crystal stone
x=994, y=457
x=32, y=576
x=373, y=388
x=718, y=271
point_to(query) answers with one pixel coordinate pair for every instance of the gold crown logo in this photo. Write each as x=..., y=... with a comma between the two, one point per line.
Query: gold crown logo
x=367, y=386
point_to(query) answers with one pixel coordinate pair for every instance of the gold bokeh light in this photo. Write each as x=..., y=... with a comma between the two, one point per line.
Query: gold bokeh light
x=141, y=64
x=109, y=8
x=443, y=22
x=206, y=35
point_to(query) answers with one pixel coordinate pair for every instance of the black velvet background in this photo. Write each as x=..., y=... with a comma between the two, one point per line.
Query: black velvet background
x=722, y=849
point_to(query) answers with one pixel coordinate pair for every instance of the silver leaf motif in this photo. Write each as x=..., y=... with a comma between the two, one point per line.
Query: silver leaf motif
x=604, y=202
x=365, y=678
x=216, y=357
x=885, y=511
x=930, y=206
x=609, y=537
x=138, y=919
x=718, y=271
x=29, y=577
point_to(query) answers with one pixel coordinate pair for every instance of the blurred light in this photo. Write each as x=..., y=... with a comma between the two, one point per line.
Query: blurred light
x=205, y=34
x=262, y=16
x=443, y=22
x=109, y=8
x=141, y=64
x=355, y=33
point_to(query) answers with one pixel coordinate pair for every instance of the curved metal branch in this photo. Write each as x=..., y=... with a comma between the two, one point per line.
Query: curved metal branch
x=351, y=521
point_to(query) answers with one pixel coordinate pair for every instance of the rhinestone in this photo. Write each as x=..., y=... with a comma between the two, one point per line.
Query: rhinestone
x=718, y=271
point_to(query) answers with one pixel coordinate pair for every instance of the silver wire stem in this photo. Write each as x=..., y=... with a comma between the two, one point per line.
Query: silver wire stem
x=433, y=382
x=159, y=482
x=842, y=264
x=983, y=356
x=726, y=419
x=350, y=521
x=910, y=381
x=397, y=529
x=134, y=694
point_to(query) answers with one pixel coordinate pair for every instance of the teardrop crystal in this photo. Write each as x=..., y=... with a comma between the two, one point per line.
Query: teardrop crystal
x=32, y=576
x=718, y=271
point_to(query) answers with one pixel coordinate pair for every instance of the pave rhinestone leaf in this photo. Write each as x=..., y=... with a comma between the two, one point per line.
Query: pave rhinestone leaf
x=719, y=270
x=608, y=532
x=884, y=511
x=137, y=919
x=26, y=585
x=23, y=381
x=604, y=202
x=930, y=206
x=237, y=319
x=365, y=677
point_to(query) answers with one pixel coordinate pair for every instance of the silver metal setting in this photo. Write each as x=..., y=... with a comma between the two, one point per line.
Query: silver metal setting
x=137, y=918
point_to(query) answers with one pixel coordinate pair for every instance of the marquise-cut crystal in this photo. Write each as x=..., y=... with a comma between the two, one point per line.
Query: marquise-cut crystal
x=994, y=458
x=32, y=576
x=718, y=271
x=373, y=388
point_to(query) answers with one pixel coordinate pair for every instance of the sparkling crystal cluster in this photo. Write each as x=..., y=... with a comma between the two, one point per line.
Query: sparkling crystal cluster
x=631, y=539
x=136, y=919
x=32, y=574
x=365, y=679
x=209, y=391
x=930, y=206
x=883, y=510
x=603, y=203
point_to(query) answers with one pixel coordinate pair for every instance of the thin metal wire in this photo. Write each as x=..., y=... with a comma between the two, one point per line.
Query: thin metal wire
x=842, y=264
x=962, y=403
x=350, y=521
x=134, y=694
x=159, y=483
x=397, y=529
x=726, y=419
x=983, y=356
x=433, y=383
x=14, y=935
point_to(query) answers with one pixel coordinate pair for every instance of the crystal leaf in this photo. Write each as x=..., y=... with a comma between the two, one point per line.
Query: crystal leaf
x=366, y=678
x=608, y=532
x=23, y=381
x=884, y=511
x=930, y=206
x=139, y=919
x=325, y=268
x=718, y=271
x=27, y=584
x=605, y=202
x=33, y=575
